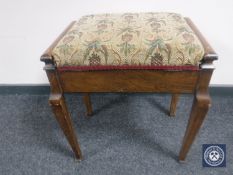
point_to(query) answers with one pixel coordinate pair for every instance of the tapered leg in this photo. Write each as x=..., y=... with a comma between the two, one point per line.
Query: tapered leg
x=198, y=113
x=87, y=102
x=174, y=101
x=59, y=108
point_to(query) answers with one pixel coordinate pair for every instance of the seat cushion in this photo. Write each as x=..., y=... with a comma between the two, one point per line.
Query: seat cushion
x=129, y=41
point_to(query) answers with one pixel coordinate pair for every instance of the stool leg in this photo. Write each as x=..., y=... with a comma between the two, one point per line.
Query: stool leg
x=59, y=108
x=201, y=104
x=174, y=101
x=87, y=102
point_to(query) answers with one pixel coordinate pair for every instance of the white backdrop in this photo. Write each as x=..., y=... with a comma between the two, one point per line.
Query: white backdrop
x=27, y=28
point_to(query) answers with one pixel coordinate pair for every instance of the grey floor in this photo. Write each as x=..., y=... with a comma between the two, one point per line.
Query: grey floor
x=129, y=134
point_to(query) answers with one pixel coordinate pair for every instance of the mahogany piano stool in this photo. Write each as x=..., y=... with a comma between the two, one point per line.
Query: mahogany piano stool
x=130, y=52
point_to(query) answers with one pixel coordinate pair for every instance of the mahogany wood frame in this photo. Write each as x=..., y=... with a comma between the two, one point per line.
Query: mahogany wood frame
x=159, y=81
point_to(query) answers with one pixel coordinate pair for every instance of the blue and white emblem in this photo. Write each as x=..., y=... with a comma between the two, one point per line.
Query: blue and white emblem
x=214, y=155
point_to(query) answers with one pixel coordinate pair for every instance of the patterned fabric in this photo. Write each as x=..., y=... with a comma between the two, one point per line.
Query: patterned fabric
x=129, y=39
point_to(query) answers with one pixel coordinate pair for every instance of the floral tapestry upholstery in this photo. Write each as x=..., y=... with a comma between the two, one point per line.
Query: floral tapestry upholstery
x=129, y=40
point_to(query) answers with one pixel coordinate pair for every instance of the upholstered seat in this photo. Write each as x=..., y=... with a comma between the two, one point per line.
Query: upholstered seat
x=129, y=41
